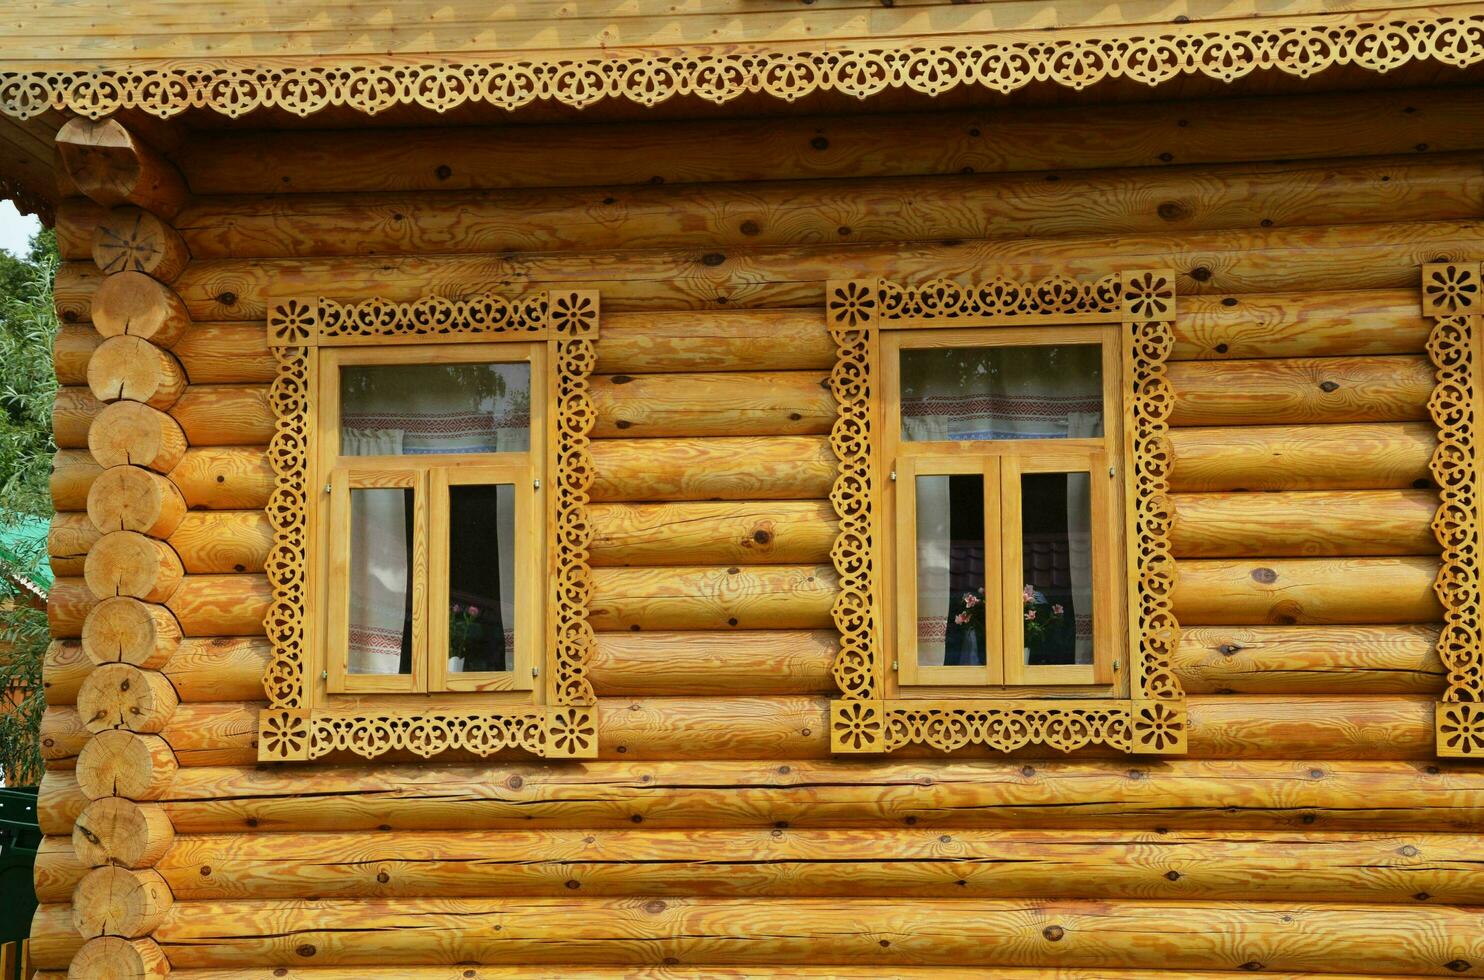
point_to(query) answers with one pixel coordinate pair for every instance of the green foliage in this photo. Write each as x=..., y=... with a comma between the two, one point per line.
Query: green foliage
x=28, y=387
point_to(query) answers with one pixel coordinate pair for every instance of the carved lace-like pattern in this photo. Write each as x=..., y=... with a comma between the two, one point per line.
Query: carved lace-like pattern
x=1075, y=59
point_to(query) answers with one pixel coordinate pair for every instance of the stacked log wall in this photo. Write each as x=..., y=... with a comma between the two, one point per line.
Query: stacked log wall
x=715, y=832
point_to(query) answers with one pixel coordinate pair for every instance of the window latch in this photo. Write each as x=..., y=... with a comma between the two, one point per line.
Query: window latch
x=893, y=476
x=538, y=484
x=327, y=488
x=535, y=671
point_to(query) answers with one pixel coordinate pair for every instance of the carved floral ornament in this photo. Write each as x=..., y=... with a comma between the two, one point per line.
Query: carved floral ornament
x=1152, y=719
x=1451, y=296
x=1074, y=58
x=291, y=727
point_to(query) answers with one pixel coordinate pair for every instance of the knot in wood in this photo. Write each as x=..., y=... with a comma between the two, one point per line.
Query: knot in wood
x=1053, y=933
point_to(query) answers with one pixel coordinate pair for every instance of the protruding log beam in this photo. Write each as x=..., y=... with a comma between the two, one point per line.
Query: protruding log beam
x=115, y=831
x=56, y=871
x=221, y=605
x=135, y=369
x=225, y=415
x=1309, y=523
x=130, y=433
x=1301, y=390
x=67, y=542
x=133, y=304
x=219, y=668
x=1312, y=324
x=228, y=353
x=741, y=340
x=127, y=563
x=1303, y=591
x=54, y=940
x=132, y=498
x=115, y=958
x=1303, y=457
x=709, y=598
x=125, y=696
x=63, y=669
x=114, y=901
x=765, y=468
x=218, y=733
x=1302, y=660
x=59, y=802
x=111, y=166
x=126, y=630
x=702, y=532
x=224, y=477
x=128, y=764
x=723, y=663
x=73, y=414
x=129, y=239
x=735, y=403
x=73, y=473
x=71, y=350
x=222, y=541
x=67, y=606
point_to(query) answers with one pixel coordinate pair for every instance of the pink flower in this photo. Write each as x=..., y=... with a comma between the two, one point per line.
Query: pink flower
x=473, y=610
x=458, y=608
x=971, y=600
x=961, y=618
x=1029, y=595
x=1057, y=610
x=1030, y=614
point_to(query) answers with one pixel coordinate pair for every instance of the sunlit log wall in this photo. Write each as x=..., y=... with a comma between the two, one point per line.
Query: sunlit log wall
x=1310, y=827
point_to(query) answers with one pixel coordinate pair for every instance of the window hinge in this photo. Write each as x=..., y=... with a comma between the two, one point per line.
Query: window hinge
x=895, y=665
x=1112, y=471
x=535, y=671
x=1117, y=664
x=327, y=488
x=893, y=476
x=324, y=675
x=538, y=484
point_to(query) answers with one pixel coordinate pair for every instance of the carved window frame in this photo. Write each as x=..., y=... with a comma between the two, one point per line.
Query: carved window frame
x=1453, y=298
x=293, y=727
x=1152, y=718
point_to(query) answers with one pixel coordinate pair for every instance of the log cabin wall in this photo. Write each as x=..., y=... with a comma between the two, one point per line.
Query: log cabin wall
x=1309, y=828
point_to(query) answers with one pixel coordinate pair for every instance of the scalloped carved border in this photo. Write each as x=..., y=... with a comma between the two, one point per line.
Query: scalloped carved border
x=1073, y=58
x=290, y=729
x=1452, y=297
x=1153, y=719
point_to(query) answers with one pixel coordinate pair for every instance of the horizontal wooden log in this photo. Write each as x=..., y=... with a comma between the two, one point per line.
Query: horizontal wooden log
x=1301, y=660
x=132, y=498
x=125, y=696
x=1313, y=728
x=722, y=663
x=123, y=629
x=713, y=597
x=1301, y=390
x=225, y=415
x=73, y=473
x=121, y=832
x=73, y=413
x=736, y=340
x=113, y=901
x=72, y=348
x=134, y=369
x=67, y=542
x=54, y=941
x=1303, y=457
x=56, y=871
x=221, y=605
x=127, y=563
x=68, y=603
x=127, y=764
x=1088, y=794
x=791, y=862
x=221, y=668
x=129, y=239
x=1338, y=258
x=1307, y=523
x=487, y=972
x=957, y=206
x=224, y=478
x=1173, y=934
x=112, y=166
x=227, y=353
x=759, y=468
x=1289, y=126
x=1311, y=324
x=216, y=733
x=130, y=433
x=734, y=403
x=694, y=533
x=59, y=802
x=133, y=304
x=223, y=541
x=1319, y=591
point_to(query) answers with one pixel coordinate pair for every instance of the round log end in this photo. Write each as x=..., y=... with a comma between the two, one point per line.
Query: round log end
x=112, y=901
x=132, y=303
x=133, y=433
x=127, y=764
x=113, y=958
x=127, y=563
x=132, y=498
x=126, y=630
x=114, y=831
x=133, y=368
x=127, y=697
x=130, y=239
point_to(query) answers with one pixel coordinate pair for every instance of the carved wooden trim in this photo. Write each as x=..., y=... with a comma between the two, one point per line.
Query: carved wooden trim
x=1153, y=718
x=1451, y=296
x=1075, y=58
x=291, y=728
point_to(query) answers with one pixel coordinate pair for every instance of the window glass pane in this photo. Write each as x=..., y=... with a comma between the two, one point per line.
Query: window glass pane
x=951, y=628
x=984, y=393
x=416, y=409
x=380, y=640
x=1056, y=541
x=481, y=577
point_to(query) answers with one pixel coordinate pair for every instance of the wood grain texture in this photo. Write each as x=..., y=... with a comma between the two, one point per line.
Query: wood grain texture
x=222, y=541
x=132, y=498
x=1301, y=390
x=73, y=473
x=1308, y=324
x=224, y=478
x=220, y=605
x=703, y=532
x=128, y=239
x=1303, y=591
x=73, y=413
x=741, y=468
x=225, y=415
x=719, y=663
x=226, y=353
x=71, y=348
x=713, y=597
x=1304, y=660
x=1303, y=457
x=1305, y=523
x=220, y=668
x=736, y=403
x=67, y=542
x=135, y=369
x=735, y=340
x=132, y=433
